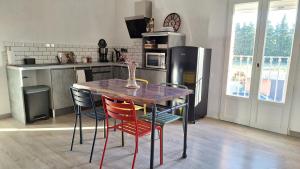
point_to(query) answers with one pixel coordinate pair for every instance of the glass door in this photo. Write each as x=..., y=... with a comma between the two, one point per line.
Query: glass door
x=271, y=111
x=241, y=51
x=259, y=58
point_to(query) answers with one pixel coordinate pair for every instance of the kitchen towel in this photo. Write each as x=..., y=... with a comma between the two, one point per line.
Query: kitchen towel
x=80, y=76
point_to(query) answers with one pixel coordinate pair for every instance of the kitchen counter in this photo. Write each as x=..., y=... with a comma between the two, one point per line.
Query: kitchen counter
x=62, y=66
x=75, y=65
x=59, y=77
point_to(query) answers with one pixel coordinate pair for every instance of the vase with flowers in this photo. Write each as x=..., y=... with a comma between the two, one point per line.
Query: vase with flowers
x=131, y=65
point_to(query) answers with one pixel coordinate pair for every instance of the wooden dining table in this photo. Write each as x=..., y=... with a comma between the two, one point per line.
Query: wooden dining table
x=150, y=94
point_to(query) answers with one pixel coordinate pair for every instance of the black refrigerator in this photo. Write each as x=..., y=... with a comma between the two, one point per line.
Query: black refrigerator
x=190, y=66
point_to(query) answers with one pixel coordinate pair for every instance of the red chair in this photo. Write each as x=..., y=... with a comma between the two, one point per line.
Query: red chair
x=126, y=113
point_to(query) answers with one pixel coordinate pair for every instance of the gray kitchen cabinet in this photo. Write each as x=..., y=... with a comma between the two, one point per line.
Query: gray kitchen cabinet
x=153, y=76
x=102, y=73
x=61, y=80
x=120, y=72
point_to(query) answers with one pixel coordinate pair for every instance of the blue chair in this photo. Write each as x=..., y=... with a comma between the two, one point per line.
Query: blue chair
x=84, y=104
x=165, y=114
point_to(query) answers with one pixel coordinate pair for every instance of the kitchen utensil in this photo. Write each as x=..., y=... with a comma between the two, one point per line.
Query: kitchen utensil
x=65, y=57
x=103, y=54
x=118, y=55
x=102, y=43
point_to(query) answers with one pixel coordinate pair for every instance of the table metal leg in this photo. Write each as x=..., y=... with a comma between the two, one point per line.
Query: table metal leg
x=184, y=155
x=152, y=136
x=80, y=125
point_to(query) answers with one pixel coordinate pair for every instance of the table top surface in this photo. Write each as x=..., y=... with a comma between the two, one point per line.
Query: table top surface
x=147, y=93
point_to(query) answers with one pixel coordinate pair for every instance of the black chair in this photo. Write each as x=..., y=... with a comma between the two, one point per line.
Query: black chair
x=84, y=105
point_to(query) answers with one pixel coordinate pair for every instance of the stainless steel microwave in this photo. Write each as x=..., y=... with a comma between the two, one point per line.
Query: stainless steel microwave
x=156, y=60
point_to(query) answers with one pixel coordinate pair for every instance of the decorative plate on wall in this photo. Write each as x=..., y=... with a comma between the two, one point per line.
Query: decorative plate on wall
x=173, y=20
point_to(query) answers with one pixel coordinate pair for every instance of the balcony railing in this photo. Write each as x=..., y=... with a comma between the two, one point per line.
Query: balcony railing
x=274, y=73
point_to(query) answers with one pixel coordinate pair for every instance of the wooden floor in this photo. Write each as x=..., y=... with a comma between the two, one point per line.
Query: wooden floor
x=212, y=144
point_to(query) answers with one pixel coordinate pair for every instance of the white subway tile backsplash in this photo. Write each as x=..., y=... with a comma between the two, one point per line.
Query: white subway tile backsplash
x=58, y=49
x=43, y=57
x=50, y=49
x=33, y=49
x=53, y=53
x=42, y=49
x=47, y=52
x=29, y=53
x=6, y=43
x=28, y=44
x=37, y=53
x=16, y=49
x=19, y=53
x=18, y=43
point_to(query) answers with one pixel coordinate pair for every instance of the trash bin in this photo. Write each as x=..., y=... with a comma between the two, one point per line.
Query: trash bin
x=36, y=102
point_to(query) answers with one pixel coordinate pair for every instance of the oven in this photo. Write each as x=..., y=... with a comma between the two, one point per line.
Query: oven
x=156, y=60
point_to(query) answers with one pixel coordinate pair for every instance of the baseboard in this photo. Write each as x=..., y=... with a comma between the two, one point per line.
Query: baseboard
x=63, y=111
x=294, y=133
x=5, y=116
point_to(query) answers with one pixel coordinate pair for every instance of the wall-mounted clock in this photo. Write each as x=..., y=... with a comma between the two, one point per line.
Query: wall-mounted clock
x=173, y=20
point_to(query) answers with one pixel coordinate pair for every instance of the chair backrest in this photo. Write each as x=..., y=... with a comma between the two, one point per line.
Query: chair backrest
x=179, y=100
x=142, y=80
x=118, y=108
x=174, y=85
x=82, y=97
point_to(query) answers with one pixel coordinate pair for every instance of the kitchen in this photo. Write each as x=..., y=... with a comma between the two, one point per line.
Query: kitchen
x=98, y=34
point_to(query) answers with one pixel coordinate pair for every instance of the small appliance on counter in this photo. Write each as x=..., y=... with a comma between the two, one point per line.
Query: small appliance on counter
x=119, y=54
x=86, y=59
x=156, y=60
x=29, y=61
x=65, y=57
x=102, y=50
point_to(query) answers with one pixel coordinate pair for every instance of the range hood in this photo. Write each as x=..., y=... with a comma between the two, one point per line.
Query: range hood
x=137, y=24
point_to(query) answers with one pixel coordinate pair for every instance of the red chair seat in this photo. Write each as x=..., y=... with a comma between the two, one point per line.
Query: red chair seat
x=129, y=127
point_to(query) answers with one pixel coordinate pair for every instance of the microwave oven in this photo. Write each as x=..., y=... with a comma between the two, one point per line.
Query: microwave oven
x=156, y=60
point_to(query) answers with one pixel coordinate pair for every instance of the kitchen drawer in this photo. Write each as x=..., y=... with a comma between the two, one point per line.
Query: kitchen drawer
x=102, y=69
x=62, y=80
x=153, y=76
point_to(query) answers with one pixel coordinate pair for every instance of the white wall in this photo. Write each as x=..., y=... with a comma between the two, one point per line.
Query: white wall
x=216, y=41
x=194, y=16
x=57, y=21
x=86, y=21
x=203, y=22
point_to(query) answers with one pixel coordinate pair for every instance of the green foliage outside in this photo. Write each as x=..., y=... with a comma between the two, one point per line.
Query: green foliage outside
x=278, y=41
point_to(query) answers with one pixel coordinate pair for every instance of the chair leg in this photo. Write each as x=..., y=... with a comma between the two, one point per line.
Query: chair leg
x=145, y=109
x=103, y=153
x=123, y=143
x=95, y=135
x=76, y=119
x=80, y=128
x=161, y=146
x=135, y=152
x=122, y=136
x=104, y=128
x=115, y=125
